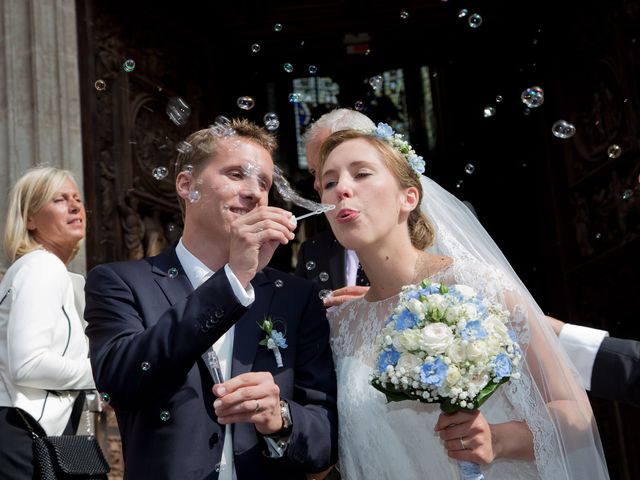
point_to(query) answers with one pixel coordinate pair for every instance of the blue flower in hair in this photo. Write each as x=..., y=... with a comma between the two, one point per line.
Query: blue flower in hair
x=384, y=131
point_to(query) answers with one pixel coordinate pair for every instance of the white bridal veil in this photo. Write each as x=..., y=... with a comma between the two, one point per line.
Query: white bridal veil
x=548, y=396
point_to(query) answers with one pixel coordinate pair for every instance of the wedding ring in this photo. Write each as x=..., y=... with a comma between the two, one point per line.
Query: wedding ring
x=462, y=447
x=257, y=407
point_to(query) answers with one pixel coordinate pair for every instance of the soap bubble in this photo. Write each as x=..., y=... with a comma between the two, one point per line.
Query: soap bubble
x=614, y=151
x=563, y=129
x=178, y=111
x=310, y=265
x=288, y=67
x=295, y=97
x=184, y=147
x=376, y=81
x=489, y=112
x=404, y=15
x=100, y=85
x=271, y=121
x=129, y=65
x=160, y=172
x=255, y=48
x=359, y=105
x=475, y=20
x=277, y=27
x=532, y=97
x=469, y=168
x=245, y=103
x=313, y=69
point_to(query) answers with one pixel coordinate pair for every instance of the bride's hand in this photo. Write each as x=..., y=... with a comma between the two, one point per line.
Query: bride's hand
x=467, y=436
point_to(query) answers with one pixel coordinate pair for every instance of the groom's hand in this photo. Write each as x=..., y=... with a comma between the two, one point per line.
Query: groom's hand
x=255, y=237
x=249, y=398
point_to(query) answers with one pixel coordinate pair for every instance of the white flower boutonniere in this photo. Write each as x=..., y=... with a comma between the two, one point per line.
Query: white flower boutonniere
x=273, y=340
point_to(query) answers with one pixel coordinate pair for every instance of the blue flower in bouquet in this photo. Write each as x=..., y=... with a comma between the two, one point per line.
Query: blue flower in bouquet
x=386, y=358
x=425, y=291
x=473, y=331
x=434, y=373
x=405, y=320
x=502, y=366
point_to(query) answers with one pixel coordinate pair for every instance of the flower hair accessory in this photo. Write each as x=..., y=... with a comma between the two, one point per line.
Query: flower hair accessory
x=385, y=132
x=273, y=340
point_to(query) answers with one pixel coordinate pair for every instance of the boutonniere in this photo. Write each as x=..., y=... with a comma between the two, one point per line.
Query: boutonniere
x=273, y=340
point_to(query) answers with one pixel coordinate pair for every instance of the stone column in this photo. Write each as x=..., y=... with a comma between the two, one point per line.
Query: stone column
x=39, y=93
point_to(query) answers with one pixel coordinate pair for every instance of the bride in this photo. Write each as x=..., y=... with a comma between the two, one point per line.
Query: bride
x=405, y=228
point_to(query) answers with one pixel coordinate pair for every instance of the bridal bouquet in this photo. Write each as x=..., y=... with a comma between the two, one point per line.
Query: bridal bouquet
x=446, y=345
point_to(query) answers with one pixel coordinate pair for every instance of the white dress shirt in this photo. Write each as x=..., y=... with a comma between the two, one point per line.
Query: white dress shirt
x=351, y=262
x=582, y=345
x=198, y=273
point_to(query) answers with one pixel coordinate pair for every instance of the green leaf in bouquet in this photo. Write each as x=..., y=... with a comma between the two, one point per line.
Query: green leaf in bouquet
x=263, y=342
x=487, y=391
x=448, y=407
x=392, y=396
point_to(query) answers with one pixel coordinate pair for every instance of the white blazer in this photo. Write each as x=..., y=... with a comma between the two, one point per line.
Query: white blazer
x=43, y=348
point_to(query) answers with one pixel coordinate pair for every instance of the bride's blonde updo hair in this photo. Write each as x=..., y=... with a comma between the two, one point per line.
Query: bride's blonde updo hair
x=421, y=231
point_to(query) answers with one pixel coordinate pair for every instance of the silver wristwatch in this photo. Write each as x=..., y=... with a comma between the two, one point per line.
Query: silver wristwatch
x=287, y=423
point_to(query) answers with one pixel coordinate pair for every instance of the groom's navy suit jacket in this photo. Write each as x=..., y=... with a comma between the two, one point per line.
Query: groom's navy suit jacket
x=148, y=329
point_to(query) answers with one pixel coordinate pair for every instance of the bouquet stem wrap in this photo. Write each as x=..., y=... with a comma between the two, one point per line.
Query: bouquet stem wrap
x=469, y=471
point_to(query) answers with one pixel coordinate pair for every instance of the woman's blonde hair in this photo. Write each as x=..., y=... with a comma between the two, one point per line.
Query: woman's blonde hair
x=421, y=231
x=31, y=192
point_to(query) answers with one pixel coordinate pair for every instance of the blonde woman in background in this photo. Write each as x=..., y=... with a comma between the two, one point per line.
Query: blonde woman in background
x=43, y=349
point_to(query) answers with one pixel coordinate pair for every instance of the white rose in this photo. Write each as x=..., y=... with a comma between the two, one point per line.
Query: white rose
x=457, y=352
x=408, y=340
x=469, y=311
x=453, y=314
x=493, y=346
x=494, y=324
x=436, y=338
x=409, y=362
x=477, y=382
x=415, y=306
x=453, y=375
x=476, y=350
x=466, y=291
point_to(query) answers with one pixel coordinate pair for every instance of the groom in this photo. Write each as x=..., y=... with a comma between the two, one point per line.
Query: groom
x=245, y=408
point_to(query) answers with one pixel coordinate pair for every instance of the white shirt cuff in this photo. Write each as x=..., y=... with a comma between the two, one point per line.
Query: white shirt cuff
x=582, y=344
x=276, y=447
x=245, y=297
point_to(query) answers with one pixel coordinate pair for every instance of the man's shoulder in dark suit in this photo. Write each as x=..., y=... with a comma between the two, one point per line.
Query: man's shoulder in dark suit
x=321, y=259
x=616, y=370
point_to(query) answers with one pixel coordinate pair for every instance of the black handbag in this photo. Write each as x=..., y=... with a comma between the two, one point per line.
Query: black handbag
x=67, y=457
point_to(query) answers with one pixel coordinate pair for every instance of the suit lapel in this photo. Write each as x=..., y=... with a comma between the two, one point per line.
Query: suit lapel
x=175, y=288
x=247, y=333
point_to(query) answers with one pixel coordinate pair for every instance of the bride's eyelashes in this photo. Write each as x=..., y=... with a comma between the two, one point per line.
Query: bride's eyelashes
x=357, y=176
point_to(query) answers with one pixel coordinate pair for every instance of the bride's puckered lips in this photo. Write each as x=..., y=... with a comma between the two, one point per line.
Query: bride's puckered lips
x=346, y=215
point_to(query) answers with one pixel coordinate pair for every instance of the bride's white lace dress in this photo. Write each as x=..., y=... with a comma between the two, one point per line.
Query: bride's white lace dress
x=380, y=440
